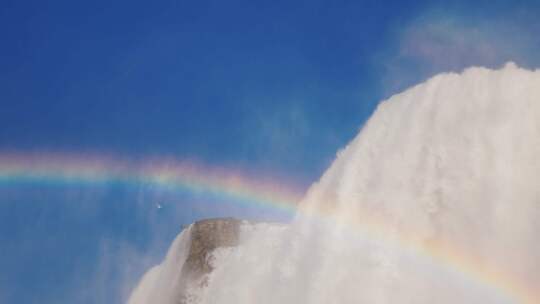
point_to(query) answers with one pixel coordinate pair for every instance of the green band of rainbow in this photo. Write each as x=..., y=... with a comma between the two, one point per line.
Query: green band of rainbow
x=228, y=183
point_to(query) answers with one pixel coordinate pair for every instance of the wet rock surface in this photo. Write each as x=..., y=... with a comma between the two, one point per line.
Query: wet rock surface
x=206, y=236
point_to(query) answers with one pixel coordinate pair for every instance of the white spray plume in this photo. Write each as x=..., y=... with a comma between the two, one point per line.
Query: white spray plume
x=453, y=160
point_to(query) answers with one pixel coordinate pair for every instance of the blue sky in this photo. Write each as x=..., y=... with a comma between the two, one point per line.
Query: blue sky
x=275, y=87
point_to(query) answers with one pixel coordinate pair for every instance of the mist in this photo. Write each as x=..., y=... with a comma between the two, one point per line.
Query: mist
x=435, y=200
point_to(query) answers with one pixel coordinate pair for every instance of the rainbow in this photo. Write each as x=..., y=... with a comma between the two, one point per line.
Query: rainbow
x=236, y=185
x=227, y=183
x=441, y=254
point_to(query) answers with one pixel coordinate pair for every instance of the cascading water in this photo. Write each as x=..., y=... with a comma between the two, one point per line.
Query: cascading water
x=159, y=284
x=437, y=200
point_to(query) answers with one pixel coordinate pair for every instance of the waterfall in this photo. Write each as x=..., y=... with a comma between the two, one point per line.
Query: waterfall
x=436, y=200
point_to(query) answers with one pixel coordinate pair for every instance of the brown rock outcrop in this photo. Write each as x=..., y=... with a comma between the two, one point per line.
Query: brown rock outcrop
x=206, y=236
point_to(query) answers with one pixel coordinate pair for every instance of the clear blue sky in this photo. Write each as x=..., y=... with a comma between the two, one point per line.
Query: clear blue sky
x=273, y=86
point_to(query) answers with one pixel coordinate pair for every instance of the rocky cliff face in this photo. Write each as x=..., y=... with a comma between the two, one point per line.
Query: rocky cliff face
x=206, y=236
x=185, y=271
x=190, y=263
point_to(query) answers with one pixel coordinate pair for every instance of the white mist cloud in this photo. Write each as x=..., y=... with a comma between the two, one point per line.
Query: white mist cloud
x=438, y=41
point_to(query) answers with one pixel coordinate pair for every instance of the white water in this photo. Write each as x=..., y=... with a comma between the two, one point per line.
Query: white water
x=454, y=160
x=159, y=284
